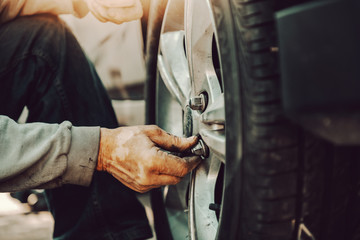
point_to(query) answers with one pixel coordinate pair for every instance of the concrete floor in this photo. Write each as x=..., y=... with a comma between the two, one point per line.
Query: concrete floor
x=17, y=222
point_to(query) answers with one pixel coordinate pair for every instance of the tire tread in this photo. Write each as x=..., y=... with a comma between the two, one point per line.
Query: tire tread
x=289, y=176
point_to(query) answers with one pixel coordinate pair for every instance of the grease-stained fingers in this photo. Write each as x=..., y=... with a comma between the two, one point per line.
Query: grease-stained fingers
x=132, y=184
x=169, y=164
x=143, y=183
x=163, y=179
x=155, y=182
x=170, y=142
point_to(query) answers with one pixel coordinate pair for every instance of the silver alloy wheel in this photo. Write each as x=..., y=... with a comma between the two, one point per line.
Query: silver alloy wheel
x=187, y=68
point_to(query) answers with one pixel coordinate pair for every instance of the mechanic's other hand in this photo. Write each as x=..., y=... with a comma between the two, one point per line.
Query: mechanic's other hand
x=135, y=157
x=116, y=11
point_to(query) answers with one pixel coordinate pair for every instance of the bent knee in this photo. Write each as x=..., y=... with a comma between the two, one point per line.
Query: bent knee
x=42, y=35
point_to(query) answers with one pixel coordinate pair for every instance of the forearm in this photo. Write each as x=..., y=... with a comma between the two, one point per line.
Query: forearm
x=39, y=155
x=10, y=9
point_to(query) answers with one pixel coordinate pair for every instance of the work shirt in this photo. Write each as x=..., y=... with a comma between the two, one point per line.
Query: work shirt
x=39, y=155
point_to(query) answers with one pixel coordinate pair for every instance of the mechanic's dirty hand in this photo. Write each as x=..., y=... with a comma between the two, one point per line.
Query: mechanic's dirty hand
x=116, y=11
x=135, y=157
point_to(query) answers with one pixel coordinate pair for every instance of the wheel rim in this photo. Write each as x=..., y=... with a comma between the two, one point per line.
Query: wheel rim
x=188, y=67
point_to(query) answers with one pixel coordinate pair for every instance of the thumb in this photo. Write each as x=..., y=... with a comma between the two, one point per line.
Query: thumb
x=171, y=165
x=170, y=142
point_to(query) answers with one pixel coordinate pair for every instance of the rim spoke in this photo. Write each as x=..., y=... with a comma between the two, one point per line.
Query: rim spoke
x=199, y=30
x=185, y=74
x=199, y=34
x=213, y=130
x=215, y=113
x=201, y=194
x=174, y=73
x=215, y=140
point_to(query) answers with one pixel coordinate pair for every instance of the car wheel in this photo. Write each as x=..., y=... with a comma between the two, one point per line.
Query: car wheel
x=261, y=177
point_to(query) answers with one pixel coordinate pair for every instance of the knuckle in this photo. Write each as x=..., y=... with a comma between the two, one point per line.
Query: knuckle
x=158, y=131
x=181, y=143
x=154, y=130
x=177, y=140
x=162, y=155
x=175, y=144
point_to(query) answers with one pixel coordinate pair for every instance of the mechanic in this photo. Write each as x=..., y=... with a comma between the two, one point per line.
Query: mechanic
x=43, y=67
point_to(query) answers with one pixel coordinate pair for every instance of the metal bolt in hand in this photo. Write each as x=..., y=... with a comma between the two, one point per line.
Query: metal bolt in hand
x=200, y=149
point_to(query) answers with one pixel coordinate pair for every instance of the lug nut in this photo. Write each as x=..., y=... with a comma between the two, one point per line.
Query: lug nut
x=198, y=102
x=200, y=149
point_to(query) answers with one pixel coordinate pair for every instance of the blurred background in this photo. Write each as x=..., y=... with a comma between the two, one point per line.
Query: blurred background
x=117, y=52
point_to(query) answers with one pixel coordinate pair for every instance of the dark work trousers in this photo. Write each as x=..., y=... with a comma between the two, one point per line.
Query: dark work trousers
x=43, y=67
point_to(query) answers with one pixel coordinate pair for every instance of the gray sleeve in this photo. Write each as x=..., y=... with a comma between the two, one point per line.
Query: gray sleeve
x=39, y=155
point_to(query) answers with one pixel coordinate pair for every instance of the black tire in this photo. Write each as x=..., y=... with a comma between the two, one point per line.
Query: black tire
x=281, y=183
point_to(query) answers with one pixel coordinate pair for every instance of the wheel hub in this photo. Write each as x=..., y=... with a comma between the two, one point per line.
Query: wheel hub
x=190, y=101
x=188, y=122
